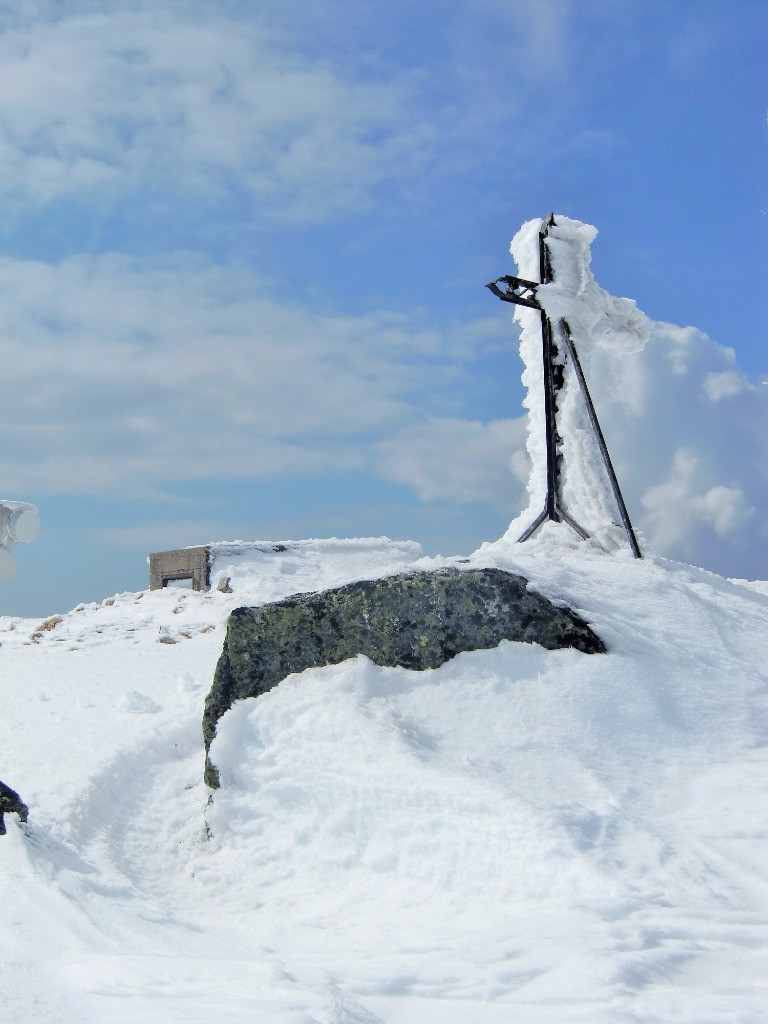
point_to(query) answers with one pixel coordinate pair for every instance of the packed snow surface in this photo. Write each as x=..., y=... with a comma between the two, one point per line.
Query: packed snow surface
x=518, y=836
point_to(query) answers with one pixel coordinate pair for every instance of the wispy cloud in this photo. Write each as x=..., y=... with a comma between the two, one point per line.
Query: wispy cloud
x=200, y=103
x=127, y=376
x=164, y=536
x=107, y=99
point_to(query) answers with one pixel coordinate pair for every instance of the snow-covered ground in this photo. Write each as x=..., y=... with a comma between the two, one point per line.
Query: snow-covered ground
x=519, y=836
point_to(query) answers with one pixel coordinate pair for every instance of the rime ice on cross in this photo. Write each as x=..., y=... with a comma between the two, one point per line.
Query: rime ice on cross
x=523, y=293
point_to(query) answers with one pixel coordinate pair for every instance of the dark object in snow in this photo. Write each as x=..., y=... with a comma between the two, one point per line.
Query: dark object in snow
x=11, y=803
x=417, y=620
x=523, y=293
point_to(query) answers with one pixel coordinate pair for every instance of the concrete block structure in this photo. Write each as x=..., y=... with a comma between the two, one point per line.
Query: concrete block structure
x=184, y=567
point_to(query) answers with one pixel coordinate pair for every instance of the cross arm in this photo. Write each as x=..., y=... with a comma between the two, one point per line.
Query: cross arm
x=522, y=293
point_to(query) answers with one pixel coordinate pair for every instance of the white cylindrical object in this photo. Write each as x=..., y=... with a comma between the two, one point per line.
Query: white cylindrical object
x=7, y=564
x=24, y=524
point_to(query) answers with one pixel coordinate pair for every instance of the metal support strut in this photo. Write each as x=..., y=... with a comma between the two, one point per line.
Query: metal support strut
x=523, y=293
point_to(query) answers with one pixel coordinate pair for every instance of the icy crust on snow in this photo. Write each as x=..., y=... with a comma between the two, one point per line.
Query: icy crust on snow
x=596, y=318
x=260, y=567
x=760, y=586
x=517, y=836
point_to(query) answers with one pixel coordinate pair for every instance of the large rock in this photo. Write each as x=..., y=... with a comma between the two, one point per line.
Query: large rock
x=418, y=620
x=11, y=803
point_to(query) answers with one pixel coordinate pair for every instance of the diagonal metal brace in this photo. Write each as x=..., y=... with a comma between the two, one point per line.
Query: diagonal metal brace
x=574, y=356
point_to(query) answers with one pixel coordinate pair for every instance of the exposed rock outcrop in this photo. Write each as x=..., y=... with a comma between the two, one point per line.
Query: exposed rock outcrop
x=416, y=620
x=11, y=803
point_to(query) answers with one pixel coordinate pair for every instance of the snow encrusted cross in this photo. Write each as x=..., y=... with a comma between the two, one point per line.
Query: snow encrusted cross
x=522, y=292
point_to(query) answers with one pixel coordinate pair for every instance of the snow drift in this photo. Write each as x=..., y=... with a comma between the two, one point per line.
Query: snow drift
x=517, y=836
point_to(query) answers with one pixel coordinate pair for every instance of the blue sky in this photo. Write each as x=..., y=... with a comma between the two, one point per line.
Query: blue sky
x=243, y=252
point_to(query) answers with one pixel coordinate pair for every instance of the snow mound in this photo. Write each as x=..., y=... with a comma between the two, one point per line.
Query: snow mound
x=262, y=568
x=519, y=835
x=138, y=703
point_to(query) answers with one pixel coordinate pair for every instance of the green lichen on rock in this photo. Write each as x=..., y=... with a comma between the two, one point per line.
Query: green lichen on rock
x=416, y=620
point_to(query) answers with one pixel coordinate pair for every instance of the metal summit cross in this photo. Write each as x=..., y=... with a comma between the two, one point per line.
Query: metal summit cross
x=523, y=293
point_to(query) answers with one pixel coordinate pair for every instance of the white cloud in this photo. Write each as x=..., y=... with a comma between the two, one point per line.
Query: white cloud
x=693, y=467
x=458, y=460
x=125, y=377
x=269, y=103
x=680, y=505
x=99, y=99
x=725, y=508
x=717, y=386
